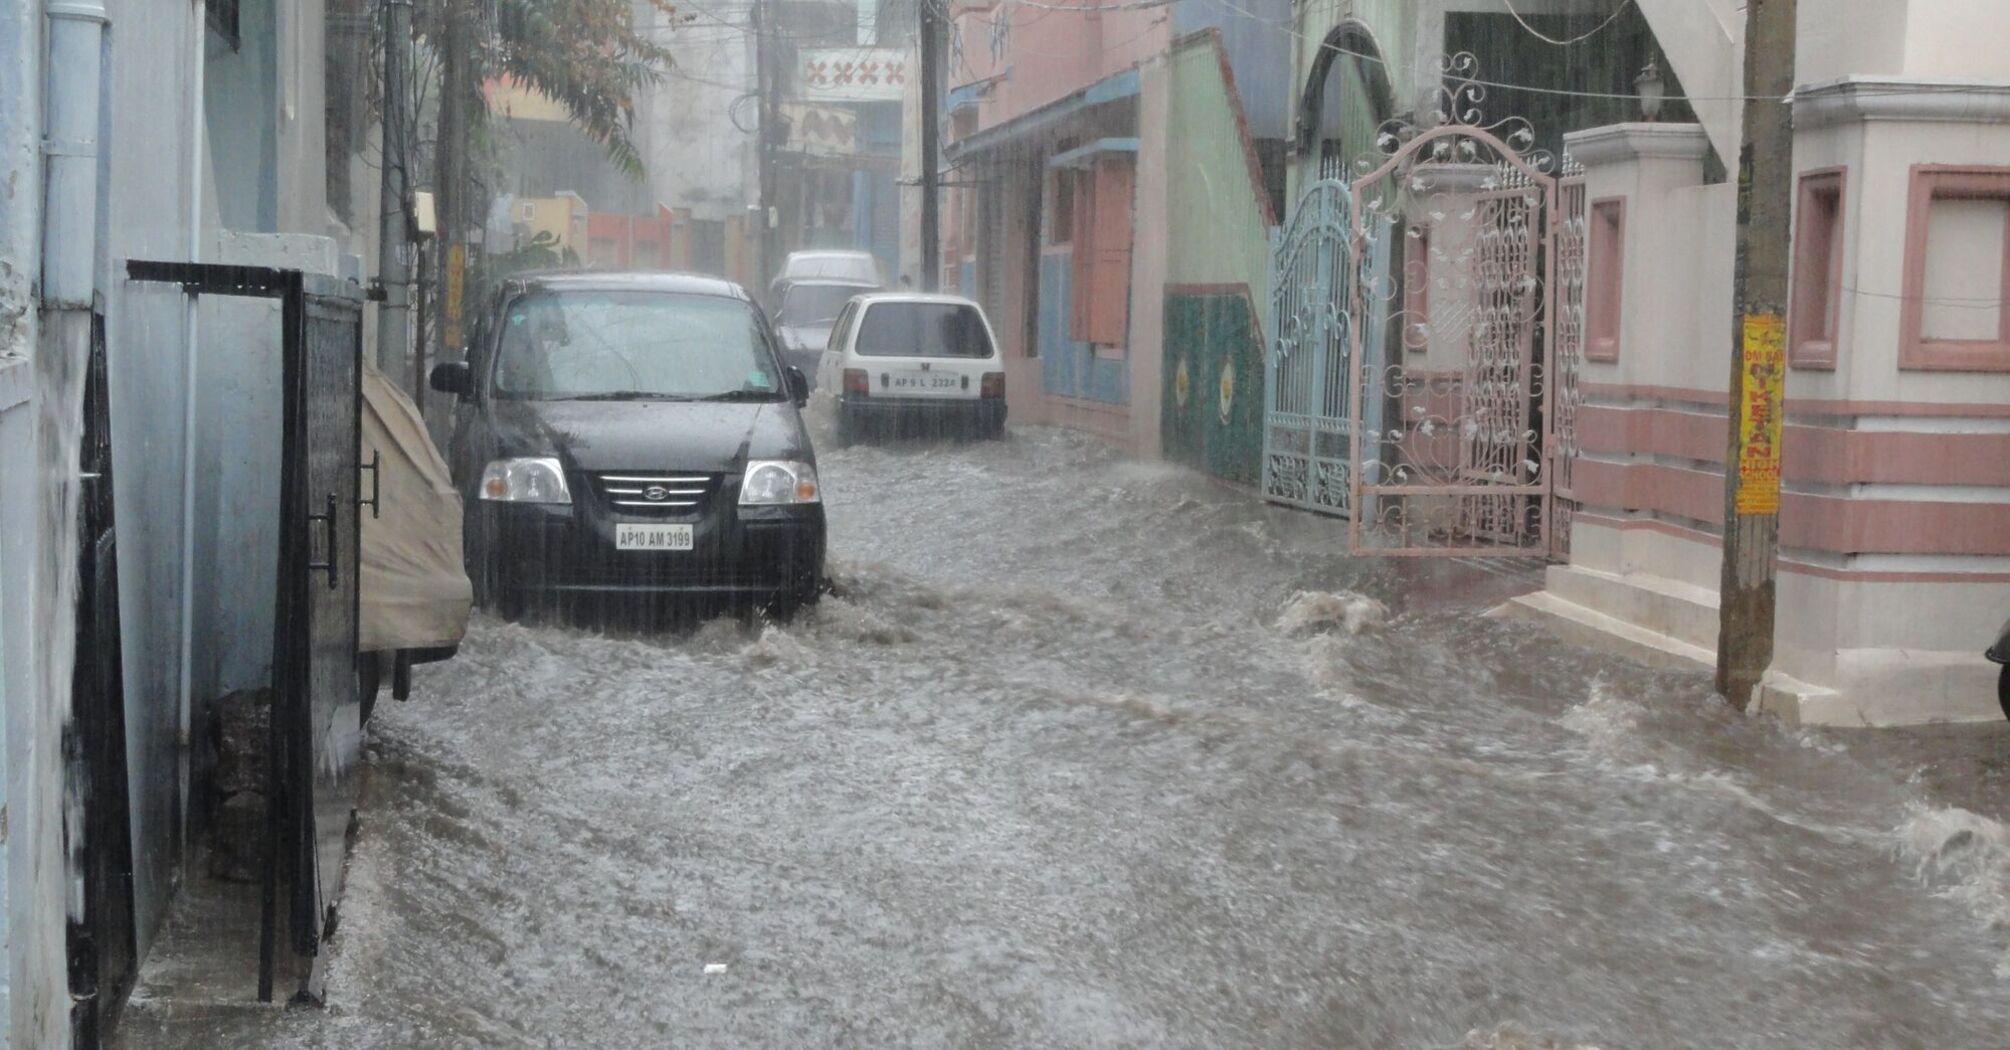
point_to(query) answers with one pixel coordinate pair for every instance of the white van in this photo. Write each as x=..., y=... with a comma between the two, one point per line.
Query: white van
x=901, y=361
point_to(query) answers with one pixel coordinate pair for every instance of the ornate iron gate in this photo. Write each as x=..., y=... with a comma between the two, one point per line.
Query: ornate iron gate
x=1567, y=341
x=1425, y=335
x=1307, y=387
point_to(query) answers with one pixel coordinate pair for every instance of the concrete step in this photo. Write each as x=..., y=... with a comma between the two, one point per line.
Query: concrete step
x=1656, y=604
x=1596, y=630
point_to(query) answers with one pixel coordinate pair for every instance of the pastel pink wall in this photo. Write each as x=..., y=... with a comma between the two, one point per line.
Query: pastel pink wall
x=1051, y=54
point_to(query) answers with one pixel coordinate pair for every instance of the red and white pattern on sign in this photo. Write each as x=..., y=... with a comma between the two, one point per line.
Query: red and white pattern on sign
x=838, y=73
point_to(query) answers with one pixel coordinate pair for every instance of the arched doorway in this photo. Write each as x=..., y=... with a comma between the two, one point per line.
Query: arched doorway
x=1345, y=100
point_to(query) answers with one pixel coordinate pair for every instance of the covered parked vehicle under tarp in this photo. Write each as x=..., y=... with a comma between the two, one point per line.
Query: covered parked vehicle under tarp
x=414, y=590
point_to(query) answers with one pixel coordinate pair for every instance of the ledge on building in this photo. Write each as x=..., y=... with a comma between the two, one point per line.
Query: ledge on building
x=1614, y=143
x=1855, y=99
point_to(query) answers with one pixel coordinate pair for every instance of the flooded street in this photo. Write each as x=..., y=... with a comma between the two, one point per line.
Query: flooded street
x=1048, y=771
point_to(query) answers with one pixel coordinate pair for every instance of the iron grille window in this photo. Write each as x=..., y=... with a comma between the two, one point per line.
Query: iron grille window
x=223, y=20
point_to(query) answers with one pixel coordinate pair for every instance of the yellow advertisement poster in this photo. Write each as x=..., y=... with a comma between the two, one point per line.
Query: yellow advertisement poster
x=457, y=260
x=1759, y=414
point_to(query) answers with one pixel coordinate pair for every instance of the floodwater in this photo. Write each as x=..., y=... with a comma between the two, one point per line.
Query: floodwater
x=1064, y=765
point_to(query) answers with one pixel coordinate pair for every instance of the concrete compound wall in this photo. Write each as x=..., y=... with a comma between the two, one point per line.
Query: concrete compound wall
x=151, y=211
x=1895, y=515
x=1210, y=391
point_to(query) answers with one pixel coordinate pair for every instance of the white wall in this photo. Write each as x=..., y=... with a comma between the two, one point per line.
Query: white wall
x=150, y=212
x=20, y=233
x=697, y=158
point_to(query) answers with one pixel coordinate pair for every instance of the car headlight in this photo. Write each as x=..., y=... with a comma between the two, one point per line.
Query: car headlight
x=529, y=480
x=776, y=481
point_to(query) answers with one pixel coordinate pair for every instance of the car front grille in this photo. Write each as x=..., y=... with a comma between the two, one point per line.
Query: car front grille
x=668, y=493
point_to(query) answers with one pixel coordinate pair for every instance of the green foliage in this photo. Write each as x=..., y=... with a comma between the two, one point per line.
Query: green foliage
x=589, y=56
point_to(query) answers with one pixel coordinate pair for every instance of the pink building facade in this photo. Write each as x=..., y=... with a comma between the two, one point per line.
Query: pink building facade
x=1064, y=126
x=1894, y=568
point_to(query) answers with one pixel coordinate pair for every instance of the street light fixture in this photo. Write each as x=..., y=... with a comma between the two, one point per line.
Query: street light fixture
x=1651, y=89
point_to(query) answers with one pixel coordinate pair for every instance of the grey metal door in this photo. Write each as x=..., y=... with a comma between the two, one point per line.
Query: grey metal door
x=314, y=732
x=322, y=494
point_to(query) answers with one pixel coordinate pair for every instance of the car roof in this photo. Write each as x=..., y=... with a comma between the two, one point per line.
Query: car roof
x=829, y=281
x=825, y=262
x=633, y=281
x=918, y=297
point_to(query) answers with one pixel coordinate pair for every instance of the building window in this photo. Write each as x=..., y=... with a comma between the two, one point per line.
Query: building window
x=1605, y=272
x=1952, y=315
x=1818, y=260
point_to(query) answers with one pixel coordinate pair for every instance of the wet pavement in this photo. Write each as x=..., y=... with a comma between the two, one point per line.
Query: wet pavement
x=1050, y=772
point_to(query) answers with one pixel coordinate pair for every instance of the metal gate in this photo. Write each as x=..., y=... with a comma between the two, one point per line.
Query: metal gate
x=321, y=500
x=315, y=726
x=1409, y=383
x=1307, y=390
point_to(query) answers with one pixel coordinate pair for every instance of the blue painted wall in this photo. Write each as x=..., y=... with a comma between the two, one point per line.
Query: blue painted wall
x=1069, y=368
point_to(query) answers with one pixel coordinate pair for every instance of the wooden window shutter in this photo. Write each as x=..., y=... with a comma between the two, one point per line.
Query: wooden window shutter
x=1110, y=246
x=1081, y=256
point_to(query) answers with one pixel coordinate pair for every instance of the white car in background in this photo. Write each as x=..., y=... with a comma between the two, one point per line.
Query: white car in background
x=827, y=265
x=904, y=362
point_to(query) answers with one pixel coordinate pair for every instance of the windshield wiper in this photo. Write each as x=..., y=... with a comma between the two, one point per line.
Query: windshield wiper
x=743, y=395
x=622, y=395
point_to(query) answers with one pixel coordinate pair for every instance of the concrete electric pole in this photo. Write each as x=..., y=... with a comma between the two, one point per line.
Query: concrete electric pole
x=767, y=84
x=451, y=175
x=931, y=145
x=1758, y=355
x=394, y=225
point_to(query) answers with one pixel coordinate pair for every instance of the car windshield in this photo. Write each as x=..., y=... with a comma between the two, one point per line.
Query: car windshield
x=814, y=304
x=923, y=330
x=638, y=345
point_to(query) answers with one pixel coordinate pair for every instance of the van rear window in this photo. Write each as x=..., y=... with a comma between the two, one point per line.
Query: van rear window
x=923, y=330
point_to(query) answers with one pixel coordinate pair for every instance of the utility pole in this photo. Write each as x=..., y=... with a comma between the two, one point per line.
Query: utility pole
x=931, y=146
x=1758, y=358
x=767, y=83
x=393, y=224
x=450, y=169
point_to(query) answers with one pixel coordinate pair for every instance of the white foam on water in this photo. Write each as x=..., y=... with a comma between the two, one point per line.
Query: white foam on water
x=1961, y=856
x=1344, y=612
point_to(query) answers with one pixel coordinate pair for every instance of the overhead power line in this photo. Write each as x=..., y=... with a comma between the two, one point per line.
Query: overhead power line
x=1580, y=38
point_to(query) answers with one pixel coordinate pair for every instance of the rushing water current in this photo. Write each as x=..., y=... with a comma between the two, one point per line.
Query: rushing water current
x=1063, y=764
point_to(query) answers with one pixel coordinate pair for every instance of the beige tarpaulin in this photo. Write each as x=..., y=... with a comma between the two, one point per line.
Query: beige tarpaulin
x=415, y=592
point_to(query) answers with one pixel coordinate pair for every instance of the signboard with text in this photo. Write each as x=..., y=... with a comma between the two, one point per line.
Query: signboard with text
x=1759, y=415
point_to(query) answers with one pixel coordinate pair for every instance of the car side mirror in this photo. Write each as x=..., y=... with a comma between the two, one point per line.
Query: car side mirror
x=798, y=383
x=452, y=377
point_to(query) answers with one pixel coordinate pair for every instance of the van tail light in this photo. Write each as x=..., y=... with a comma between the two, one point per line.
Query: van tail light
x=994, y=385
x=857, y=383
